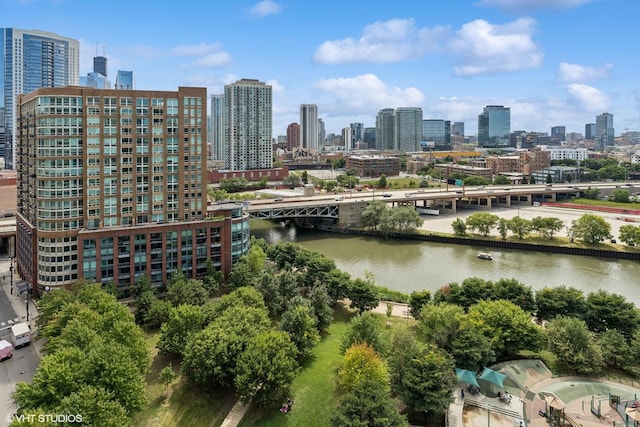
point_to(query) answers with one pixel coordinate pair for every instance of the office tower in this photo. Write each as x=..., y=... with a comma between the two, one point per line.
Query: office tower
x=2, y=135
x=124, y=80
x=408, y=129
x=437, y=133
x=248, y=122
x=494, y=127
x=385, y=129
x=31, y=59
x=590, y=131
x=293, y=136
x=309, y=133
x=357, y=131
x=604, y=131
x=457, y=128
x=217, y=128
x=558, y=134
x=322, y=133
x=100, y=65
x=112, y=186
x=369, y=137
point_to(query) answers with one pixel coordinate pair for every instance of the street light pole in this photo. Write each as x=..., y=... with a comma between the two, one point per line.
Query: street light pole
x=11, y=274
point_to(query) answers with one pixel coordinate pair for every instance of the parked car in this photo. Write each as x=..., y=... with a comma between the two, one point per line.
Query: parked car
x=6, y=350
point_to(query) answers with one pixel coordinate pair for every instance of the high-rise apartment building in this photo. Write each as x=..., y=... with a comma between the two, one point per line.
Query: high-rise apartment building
x=293, y=136
x=369, y=137
x=124, y=80
x=347, y=138
x=494, y=127
x=248, y=123
x=31, y=59
x=590, y=131
x=385, y=129
x=112, y=186
x=216, y=136
x=605, y=134
x=437, y=133
x=309, y=133
x=407, y=128
x=322, y=133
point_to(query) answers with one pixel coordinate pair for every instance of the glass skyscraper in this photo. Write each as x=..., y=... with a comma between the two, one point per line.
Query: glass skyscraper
x=124, y=80
x=604, y=131
x=494, y=127
x=408, y=129
x=437, y=134
x=31, y=59
x=309, y=133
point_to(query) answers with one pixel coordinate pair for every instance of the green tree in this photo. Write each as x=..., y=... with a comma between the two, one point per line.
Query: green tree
x=406, y=219
x=440, y=322
x=362, y=364
x=574, y=346
x=470, y=347
x=591, y=228
x=382, y=182
x=591, y=193
x=549, y=179
x=459, y=227
x=97, y=406
x=305, y=177
x=546, y=227
x=629, y=234
x=240, y=275
x=503, y=227
x=605, y=311
x=501, y=180
x=417, y=300
x=167, y=375
x=620, y=195
x=321, y=305
x=157, y=314
x=184, y=321
x=559, y=301
x=615, y=349
x=476, y=180
x=483, y=222
x=370, y=405
x=189, y=291
x=364, y=328
x=300, y=323
x=211, y=354
x=292, y=180
x=373, y=214
x=519, y=226
x=266, y=368
x=509, y=327
x=363, y=295
x=424, y=379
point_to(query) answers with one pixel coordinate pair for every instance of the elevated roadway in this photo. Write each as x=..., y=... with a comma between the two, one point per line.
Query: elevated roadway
x=344, y=208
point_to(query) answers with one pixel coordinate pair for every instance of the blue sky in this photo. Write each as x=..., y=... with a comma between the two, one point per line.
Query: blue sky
x=554, y=62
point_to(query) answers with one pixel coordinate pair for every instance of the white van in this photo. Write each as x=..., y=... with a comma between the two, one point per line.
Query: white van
x=20, y=334
x=6, y=350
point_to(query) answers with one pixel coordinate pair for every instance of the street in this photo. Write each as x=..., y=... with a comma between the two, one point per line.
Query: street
x=23, y=364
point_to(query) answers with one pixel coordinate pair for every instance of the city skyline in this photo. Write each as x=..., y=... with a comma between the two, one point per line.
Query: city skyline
x=557, y=63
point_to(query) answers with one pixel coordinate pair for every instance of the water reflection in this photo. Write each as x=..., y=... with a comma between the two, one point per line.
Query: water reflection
x=407, y=266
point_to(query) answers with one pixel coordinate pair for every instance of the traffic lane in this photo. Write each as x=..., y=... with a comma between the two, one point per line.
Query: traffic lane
x=20, y=368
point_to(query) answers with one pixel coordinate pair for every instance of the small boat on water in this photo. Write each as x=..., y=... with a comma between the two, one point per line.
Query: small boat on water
x=485, y=255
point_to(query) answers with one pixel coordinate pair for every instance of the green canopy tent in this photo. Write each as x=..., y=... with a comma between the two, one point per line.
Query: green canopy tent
x=466, y=376
x=494, y=377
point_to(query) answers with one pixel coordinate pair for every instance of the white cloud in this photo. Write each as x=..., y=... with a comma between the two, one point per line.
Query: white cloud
x=264, y=8
x=209, y=55
x=573, y=73
x=389, y=41
x=213, y=60
x=195, y=50
x=518, y=6
x=483, y=48
x=366, y=93
x=588, y=97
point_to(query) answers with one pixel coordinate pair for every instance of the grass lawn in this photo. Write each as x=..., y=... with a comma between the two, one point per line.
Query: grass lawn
x=313, y=390
x=184, y=404
x=606, y=203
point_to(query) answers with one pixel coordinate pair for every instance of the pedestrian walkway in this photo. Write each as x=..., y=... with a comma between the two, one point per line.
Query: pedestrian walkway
x=235, y=415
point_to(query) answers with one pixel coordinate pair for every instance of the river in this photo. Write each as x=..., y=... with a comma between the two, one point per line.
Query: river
x=409, y=266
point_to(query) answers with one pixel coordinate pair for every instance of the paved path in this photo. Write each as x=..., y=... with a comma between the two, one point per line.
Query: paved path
x=235, y=415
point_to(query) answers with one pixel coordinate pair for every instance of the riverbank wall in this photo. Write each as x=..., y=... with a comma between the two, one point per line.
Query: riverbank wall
x=521, y=246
